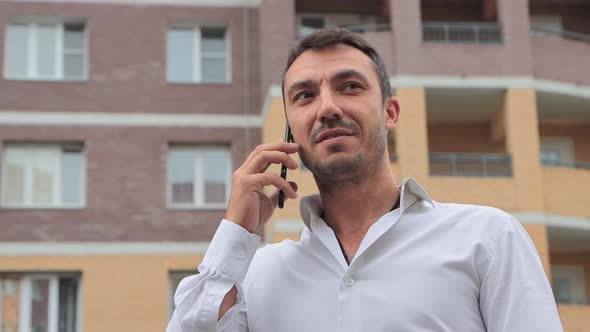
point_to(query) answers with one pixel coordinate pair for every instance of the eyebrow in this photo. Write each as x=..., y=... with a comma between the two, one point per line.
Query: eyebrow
x=351, y=73
x=299, y=86
x=340, y=76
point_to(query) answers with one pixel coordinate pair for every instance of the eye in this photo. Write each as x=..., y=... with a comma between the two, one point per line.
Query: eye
x=302, y=96
x=348, y=86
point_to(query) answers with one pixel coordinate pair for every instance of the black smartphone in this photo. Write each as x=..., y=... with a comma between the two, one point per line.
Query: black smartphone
x=288, y=138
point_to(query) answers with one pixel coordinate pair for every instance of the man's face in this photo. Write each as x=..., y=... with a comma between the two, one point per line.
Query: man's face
x=334, y=106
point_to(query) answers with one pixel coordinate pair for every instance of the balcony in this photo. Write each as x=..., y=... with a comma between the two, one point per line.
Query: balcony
x=470, y=164
x=462, y=32
x=564, y=128
x=467, y=147
x=560, y=40
x=368, y=18
x=558, y=55
x=569, y=244
x=565, y=163
x=572, y=300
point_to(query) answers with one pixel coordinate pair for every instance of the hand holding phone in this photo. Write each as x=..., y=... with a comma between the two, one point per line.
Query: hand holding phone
x=288, y=139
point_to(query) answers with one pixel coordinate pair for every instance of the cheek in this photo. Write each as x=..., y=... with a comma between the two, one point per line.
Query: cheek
x=300, y=128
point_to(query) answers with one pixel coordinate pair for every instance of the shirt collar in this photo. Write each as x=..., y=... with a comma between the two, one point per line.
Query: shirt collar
x=411, y=191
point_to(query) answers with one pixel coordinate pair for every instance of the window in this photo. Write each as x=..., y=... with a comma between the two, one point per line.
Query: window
x=198, y=54
x=45, y=51
x=198, y=176
x=43, y=175
x=174, y=280
x=556, y=151
x=569, y=284
x=44, y=303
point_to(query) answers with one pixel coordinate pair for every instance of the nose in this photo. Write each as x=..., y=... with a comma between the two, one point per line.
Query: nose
x=328, y=109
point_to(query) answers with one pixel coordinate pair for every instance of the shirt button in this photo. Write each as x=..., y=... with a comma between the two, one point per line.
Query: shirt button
x=349, y=282
x=240, y=255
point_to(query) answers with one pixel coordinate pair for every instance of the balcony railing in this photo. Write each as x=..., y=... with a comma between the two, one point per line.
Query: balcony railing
x=304, y=31
x=368, y=27
x=470, y=164
x=463, y=32
x=565, y=163
x=542, y=31
x=575, y=300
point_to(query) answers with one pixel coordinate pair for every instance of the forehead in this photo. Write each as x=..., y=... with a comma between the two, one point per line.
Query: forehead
x=324, y=62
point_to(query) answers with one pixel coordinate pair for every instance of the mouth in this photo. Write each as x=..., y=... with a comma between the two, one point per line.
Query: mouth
x=330, y=134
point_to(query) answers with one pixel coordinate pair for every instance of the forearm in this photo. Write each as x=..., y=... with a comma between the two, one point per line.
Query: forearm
x=202, y=300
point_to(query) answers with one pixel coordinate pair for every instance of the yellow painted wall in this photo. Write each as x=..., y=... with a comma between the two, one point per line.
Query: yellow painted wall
x=463, y=138
x=522, y=138
x=496, y=192
x=574, y=318
x=538, y=233
x=119, y=293
x=566, y=191
x=411, y=135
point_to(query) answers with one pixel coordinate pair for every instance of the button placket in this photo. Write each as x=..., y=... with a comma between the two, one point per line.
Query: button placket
x=348, y=281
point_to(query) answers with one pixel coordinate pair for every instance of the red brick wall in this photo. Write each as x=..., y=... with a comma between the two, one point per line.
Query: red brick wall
x=125, y=187
x=127, y=62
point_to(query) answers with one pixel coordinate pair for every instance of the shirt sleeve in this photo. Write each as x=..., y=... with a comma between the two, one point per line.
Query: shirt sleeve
x=198, y=297
x=515, y=294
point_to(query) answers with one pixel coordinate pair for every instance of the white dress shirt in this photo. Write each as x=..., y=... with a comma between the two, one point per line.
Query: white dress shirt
x=426, y=266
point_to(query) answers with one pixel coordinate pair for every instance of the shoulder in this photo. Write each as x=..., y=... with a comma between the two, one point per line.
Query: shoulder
x=489, y=222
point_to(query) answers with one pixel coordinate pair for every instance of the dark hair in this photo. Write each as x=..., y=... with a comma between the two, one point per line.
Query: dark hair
x=326, y=38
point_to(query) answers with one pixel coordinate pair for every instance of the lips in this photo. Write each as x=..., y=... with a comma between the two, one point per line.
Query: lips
x=332, y=133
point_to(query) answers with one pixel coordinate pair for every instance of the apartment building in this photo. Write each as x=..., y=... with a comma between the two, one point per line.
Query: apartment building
x=121, y=122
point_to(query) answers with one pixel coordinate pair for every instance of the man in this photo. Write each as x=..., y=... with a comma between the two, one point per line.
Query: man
x=374, y=256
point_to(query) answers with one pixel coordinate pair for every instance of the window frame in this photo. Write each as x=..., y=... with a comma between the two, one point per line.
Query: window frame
x=32, y=73
x=198, y=180
x=28, y=186
x=564, y=146
x=576, y=276
x=197, y=61
x=26, y=296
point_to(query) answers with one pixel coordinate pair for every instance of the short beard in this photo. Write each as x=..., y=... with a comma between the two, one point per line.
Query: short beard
x=337, y=175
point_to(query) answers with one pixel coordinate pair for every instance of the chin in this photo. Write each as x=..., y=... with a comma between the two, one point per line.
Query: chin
x=339, y=163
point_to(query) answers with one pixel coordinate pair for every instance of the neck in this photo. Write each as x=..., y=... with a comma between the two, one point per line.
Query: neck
x=354, y=206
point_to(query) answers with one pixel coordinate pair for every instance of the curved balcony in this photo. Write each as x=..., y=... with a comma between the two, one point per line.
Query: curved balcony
x=560, y=55
x=470, y=164
x=463, y=48
x=473, y=178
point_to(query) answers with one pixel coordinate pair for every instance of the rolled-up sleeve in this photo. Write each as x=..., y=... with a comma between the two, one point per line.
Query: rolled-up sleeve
x=515, y=294
x=198, y=297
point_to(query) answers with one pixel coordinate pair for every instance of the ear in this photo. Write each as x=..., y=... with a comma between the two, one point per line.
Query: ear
x=391, y=112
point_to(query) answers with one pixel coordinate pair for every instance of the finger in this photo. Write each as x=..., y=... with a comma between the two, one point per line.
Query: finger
x=261, y=180
x=274, y=196
x=264, y=159
x=285, y=147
